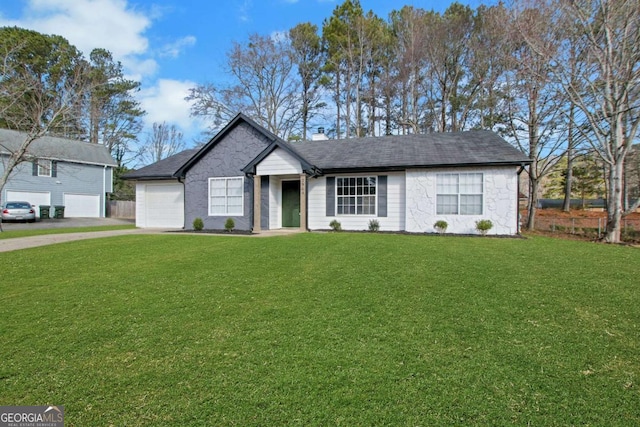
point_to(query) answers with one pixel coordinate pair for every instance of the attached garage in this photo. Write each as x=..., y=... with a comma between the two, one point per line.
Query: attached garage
x=81, y=205
x=36, y=198
x=160, y=205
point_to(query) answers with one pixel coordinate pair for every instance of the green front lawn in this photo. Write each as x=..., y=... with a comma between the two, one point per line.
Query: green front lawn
x=12, y=234
x=323, y=329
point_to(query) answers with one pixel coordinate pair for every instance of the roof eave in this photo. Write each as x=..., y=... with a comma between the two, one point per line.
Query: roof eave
x=399, y=168
x=306, y=167
x=180, y=173
x=149, y=178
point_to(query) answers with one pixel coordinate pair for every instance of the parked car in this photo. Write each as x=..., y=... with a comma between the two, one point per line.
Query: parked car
x=18, y=211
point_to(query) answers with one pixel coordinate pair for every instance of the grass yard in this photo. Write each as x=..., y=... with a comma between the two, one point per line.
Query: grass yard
x=13, y=234
x=323, y=329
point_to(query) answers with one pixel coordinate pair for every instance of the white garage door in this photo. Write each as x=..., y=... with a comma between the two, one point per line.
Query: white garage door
x=36, y=198
x=81, y=205
x=164, y=205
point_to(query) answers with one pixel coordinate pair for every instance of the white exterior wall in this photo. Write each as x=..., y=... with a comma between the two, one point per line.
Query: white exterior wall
x=275, y=209
x=279, y=162
x=394, y=221
x=500, y=202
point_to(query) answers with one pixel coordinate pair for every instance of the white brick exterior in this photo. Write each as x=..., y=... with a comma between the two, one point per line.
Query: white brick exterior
x=500, y=201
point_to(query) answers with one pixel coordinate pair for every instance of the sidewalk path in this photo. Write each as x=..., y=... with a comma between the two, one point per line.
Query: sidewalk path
x=14, y=244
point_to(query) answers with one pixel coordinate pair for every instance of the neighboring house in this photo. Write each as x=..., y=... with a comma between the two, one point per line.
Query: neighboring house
x=406, y=183
x=62, y=172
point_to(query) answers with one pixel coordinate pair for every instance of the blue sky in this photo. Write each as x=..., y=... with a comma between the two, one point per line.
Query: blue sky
x=172, y=45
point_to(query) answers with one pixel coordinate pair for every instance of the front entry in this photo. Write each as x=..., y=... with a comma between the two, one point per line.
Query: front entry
x=291, y=203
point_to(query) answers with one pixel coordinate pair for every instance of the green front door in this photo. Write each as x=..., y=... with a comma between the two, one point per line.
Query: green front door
x=291, y=203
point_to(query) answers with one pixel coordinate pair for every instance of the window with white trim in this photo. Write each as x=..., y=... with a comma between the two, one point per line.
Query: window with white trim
x=356, y=195
x=226, y=196
x=459, y=193
x=44, y=167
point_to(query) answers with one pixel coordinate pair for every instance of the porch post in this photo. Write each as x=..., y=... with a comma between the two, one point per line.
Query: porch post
x=303, y=202
x=256, y=203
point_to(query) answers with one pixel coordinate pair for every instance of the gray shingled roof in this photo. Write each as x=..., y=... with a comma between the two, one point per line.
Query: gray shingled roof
x=54, y=148
x=405, y=151
x=395, y=152
x=165, y=168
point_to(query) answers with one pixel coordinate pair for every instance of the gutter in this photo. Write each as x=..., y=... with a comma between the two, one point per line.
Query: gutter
x=104, y=191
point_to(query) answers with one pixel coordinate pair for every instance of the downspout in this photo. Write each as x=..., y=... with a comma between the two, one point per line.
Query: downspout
x=522, y=166
x=184, y=203
x=104, y=191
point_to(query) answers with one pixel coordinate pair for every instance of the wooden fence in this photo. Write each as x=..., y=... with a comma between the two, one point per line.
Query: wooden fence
x=588, y=227
x=124, y=209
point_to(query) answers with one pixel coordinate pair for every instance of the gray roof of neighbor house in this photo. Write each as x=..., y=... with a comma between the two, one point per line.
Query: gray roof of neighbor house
x=55, y=148
x=163, y=169
x=469, y=148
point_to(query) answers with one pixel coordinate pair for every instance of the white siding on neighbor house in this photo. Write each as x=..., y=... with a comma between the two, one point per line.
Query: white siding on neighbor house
x=160, y=204
x=36, y=198
x=279, y=162
x=500, y=201
x=394, y=221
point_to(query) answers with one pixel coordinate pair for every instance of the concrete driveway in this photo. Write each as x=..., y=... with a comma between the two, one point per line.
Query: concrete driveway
x=7, y=245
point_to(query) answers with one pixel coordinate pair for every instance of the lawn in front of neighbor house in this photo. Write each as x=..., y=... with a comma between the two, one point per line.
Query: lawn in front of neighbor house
x=14, y=234
x=323, y=329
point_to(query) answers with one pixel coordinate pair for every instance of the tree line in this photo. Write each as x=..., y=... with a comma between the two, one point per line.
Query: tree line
x=47, y=86
x=557, y=78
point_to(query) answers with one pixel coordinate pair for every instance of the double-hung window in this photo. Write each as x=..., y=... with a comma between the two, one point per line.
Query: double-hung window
x=459, y=193
x=226, y=196
x=356, y=195
x=44, y=167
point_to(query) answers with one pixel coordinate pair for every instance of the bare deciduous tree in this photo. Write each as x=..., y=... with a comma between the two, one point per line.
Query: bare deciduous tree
x=36, y=103
x=603, y=86
x=535, y=107
x=265, y=86
x=163, y=141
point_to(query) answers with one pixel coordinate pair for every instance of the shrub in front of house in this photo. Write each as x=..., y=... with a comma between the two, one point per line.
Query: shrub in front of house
x=441, y=226
x=230, y=224
x=483, y=226
x=335, y=225
x=198, y=224
x=374, y=225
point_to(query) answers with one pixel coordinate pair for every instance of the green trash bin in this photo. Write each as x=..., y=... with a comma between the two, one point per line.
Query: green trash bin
x=44, y=211
x=59, y=212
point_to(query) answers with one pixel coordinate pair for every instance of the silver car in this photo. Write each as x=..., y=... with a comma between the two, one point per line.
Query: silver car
x=18, y=211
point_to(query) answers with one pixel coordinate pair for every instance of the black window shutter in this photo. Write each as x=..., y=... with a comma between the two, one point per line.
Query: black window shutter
x=331, y=196
x=54, y=168
x=382, y=196
x=34, y=169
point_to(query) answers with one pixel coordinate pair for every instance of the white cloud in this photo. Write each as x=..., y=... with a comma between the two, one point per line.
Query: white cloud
x=88, y=24
x=173, y=50
x=165, y=102
x=120, y=28
x=244, y=10
x=279, y=36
